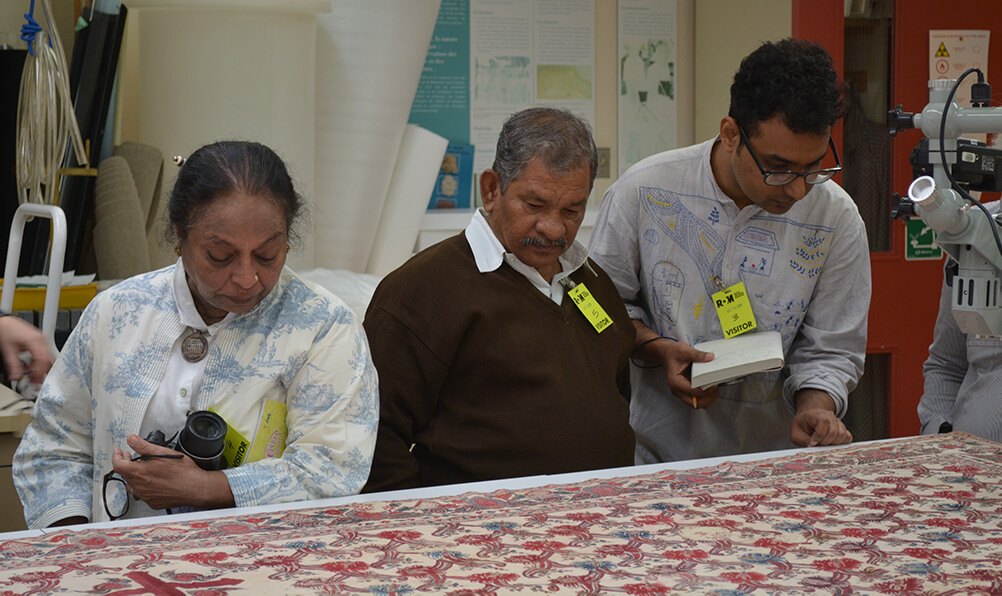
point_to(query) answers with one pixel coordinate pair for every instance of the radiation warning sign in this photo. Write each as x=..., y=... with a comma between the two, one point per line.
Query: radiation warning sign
x=952, y=51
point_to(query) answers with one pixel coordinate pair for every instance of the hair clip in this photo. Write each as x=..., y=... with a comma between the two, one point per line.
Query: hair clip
x=178, y=161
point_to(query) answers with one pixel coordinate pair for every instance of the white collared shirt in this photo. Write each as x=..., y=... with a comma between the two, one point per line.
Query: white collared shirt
x=174, y=398
x=489, y=253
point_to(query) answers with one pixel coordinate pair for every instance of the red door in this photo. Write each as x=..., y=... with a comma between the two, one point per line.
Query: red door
x=905, y=293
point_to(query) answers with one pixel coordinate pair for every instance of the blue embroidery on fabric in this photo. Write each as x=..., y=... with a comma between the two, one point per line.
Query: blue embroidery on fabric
x=808, y=258
x=809, y=255
x=651, y=237
x=695, y=237
x=762, y=246
x=667, y=287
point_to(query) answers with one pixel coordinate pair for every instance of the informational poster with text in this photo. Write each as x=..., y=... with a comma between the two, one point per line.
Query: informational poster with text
x=491, y=58
x=648, y=112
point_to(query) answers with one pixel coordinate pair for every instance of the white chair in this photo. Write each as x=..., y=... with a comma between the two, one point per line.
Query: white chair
x=56, y=254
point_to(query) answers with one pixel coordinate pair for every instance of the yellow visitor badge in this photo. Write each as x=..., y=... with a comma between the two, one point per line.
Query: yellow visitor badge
x=268, y=441
x=589, y=307
x=734, y=310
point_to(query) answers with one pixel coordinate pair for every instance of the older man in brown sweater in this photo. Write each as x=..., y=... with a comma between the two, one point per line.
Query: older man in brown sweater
x=504, y=351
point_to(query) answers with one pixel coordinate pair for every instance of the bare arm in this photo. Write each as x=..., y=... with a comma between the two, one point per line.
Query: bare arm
x=69, y=521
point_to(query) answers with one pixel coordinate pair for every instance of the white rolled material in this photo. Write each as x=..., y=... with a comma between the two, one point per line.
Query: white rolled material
x=370, y=57
x=418, y=162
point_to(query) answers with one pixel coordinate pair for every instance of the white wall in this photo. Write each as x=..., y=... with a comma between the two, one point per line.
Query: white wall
x=725, y=32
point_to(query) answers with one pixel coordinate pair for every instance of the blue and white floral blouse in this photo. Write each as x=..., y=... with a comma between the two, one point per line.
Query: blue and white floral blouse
x=301, y=345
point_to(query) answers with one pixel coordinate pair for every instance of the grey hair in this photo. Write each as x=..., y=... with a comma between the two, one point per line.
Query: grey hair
x=558, y=138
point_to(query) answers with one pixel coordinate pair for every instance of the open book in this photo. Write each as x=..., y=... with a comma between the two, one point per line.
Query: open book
x=738, y=357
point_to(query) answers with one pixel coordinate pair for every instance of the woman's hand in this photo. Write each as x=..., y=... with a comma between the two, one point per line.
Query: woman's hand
x=163, y=482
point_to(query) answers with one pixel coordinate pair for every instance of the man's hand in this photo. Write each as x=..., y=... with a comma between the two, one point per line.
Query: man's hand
x=168, y=482
x=18, y=336
x=815, y=422
x=675, y=357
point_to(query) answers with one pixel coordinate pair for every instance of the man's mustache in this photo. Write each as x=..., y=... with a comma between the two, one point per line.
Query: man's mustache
x=543, y=242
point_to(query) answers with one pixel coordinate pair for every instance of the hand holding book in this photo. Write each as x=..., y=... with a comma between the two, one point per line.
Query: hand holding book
x=738, y=357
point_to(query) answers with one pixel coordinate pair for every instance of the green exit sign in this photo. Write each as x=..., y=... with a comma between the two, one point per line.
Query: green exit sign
x=920, y=241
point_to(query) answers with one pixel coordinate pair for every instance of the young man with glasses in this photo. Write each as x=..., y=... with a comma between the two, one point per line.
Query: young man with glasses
x=754, y=206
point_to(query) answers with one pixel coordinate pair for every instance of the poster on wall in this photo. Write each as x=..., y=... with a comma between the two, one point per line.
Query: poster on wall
x=527, y=53
x=648, y=113
x=516, y=54
x=951, y=52
x=442, y=101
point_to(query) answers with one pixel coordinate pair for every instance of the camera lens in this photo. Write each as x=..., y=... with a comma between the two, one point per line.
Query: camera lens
x=202, y=439
x=206, y=427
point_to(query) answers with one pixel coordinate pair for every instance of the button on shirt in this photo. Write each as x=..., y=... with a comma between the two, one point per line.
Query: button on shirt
x=489, y=253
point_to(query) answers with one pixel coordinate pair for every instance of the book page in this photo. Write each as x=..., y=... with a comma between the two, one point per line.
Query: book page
x=732, y=358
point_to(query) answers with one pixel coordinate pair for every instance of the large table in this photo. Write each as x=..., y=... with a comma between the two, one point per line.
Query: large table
x=917, y=515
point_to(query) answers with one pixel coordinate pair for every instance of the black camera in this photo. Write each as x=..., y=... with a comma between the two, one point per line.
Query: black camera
x=201, y=439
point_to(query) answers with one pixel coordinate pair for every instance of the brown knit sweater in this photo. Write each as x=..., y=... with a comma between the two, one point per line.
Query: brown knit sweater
x=488, y=378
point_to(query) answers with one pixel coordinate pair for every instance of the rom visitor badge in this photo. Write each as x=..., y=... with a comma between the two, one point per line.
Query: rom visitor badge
x=589, y=307
x=734, y=309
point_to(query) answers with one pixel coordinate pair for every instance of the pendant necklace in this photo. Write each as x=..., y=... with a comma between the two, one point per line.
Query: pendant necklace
x=194, y=347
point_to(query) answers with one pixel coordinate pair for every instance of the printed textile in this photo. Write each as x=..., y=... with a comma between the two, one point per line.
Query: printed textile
x=920, y=515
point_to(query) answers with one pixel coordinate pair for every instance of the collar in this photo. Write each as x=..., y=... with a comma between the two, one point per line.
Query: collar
x=186, y=304
x=489, y=252
x=487, y=249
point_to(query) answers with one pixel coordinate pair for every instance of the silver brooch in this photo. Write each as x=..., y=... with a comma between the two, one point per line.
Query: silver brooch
x=195, y=346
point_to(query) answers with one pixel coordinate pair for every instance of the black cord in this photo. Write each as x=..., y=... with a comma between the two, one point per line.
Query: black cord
x=942, y=155
x=642, y=344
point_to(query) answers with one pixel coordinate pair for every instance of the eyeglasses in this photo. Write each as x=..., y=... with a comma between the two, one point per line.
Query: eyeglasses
x=115, y=492
x=782, y=178
x=116, y=502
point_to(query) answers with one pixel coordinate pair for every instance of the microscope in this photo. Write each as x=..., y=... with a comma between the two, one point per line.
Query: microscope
x=946, y=169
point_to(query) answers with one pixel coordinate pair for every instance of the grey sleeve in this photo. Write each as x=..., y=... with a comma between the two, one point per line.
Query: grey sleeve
x=830, y=347
x=944, y=370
